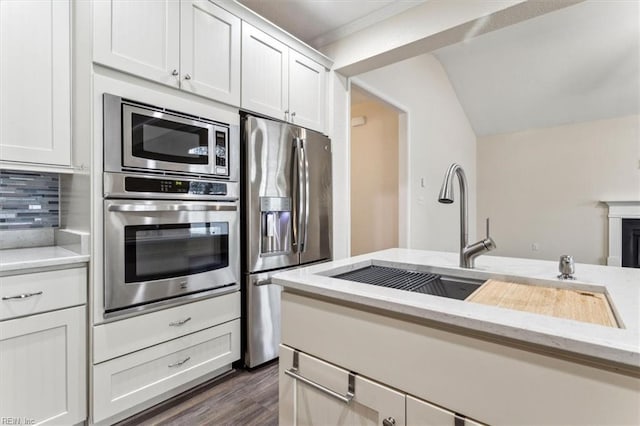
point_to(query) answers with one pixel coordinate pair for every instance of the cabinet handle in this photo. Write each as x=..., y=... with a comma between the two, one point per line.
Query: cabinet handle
x=344, y=398
x=351, y=390
x=286, y=115
x=174, y=73
x=187, y=76
x=179, y=322
x=179, y=363
x=22, y=296
x=389, y=421
x=293, y=114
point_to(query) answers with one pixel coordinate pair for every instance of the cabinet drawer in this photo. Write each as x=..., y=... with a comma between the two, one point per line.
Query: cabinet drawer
x=132, y=334
x=133, y=379
x=321, y=395
x=29, y=294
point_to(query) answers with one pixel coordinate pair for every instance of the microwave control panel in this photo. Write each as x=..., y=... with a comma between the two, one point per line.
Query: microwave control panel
x=221, y=149
x=174, y=186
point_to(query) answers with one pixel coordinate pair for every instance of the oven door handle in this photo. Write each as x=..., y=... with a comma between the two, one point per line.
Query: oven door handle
x=170, y=207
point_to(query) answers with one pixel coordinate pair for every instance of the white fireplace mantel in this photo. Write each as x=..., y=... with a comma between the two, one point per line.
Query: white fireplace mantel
x=619, y=210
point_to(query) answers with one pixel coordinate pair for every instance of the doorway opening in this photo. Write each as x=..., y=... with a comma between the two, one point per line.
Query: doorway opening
x=374, y=173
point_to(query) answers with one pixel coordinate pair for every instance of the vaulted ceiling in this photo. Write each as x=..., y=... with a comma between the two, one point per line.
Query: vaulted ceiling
x=575, y=64
x=580, y=63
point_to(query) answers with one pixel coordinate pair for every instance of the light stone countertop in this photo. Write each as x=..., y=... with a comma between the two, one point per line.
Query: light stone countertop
x=15, y=260
x=612, y=345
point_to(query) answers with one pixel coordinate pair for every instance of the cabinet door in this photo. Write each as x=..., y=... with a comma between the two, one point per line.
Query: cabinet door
x=265, y=73
x=141, y=37
x=422, y=413
x=42, y=367
x=210, y=51
x=307, y=93
x=35, y=76
x=304, y=404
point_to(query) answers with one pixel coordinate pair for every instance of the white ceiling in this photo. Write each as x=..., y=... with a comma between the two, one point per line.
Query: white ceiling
x=576, y=64
x=320, y=22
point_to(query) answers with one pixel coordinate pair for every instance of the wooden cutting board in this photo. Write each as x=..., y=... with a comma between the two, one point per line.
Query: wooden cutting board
x=577, y=305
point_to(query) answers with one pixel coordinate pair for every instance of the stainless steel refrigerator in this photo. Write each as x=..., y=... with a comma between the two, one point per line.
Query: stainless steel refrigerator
x=287, y=208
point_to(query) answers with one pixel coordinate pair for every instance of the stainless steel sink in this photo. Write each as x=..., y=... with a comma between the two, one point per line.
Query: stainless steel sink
x=415, y=281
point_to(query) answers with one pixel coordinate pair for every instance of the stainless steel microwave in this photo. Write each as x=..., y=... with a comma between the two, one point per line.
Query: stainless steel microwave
x=144, y=138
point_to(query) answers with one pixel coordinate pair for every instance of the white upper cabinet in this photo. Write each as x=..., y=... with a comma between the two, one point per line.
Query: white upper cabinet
x=193, y=45
x=307, y=82
x=35, y=82
x=210, y=51
x=279, y=82
x=140, y=37
x=265, y=73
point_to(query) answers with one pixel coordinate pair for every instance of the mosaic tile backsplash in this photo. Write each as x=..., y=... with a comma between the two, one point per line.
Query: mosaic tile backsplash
x=29, y=200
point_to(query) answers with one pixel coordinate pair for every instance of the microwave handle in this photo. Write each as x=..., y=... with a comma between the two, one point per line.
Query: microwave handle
x=170, y=207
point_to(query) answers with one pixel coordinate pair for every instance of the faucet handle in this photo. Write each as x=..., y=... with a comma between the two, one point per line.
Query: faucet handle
x=488, y=228
x=488, y=241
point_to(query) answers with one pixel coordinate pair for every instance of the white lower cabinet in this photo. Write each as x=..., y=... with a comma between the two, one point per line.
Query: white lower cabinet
x=119, y=338
x=42, y=368
x=493, y=382
x=322, y=396
x=314, y=392
x=34, y=293
x=422, y=413
x=141, y=379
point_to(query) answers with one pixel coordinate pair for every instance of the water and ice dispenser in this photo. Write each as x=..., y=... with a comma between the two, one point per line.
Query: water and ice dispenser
x=275, y=225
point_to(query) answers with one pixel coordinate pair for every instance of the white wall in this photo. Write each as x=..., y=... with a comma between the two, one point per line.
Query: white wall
x=338, y=129
x=544, y=186
x=438, y=135
x=374, y=178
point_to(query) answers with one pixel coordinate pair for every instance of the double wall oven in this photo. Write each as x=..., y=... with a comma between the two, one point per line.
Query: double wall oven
x=171, y=213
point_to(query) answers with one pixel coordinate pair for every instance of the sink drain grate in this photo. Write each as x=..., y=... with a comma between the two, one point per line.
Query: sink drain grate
x=401, y=279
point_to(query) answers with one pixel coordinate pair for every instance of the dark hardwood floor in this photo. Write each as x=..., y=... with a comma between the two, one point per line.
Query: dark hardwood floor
x=240, y=398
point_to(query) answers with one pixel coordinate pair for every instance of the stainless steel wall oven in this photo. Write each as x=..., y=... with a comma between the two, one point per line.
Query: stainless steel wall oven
x=169, y=236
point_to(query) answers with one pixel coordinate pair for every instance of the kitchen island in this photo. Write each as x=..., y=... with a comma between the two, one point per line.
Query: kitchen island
x=413, y=357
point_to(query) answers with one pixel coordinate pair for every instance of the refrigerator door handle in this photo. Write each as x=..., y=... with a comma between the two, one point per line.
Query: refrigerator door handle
x=294, y=196
x=294, y=210
x=301, y=195
x=306, y=196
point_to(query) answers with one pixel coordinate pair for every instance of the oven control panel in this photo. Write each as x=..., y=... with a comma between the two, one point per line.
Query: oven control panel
x=174, y=186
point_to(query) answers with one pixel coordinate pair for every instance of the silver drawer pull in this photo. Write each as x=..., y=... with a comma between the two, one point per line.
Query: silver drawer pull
x=344, y=398
x=179, y=322
x=22, y=296
x=179, y=363
x=351, y=392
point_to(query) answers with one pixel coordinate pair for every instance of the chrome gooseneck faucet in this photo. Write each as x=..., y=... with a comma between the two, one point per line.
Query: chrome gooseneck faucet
x=468, y=253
